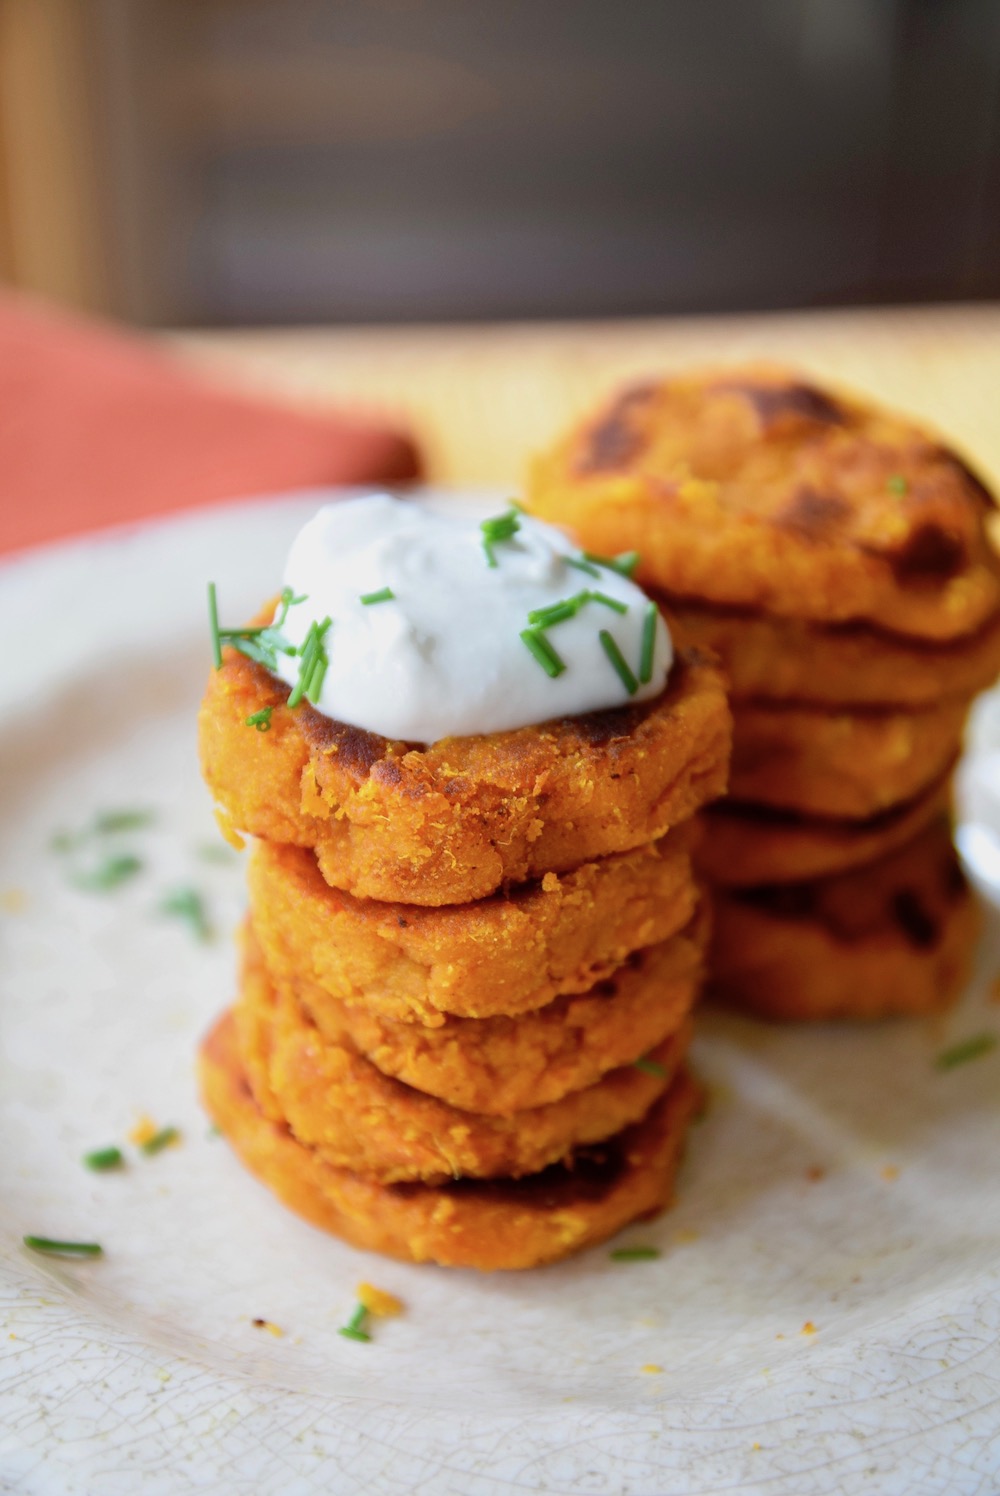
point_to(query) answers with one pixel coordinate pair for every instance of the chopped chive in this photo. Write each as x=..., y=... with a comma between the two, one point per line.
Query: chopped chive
x=543, y=652
x=104, y=1158
x=966, y=1050
x=159, y=1141
x=501, y=527
x=609, y=602
x=491, y=559
x=634, y=1254
x=650, y=1067
x=108, y=822
x=897, y=484
x=582, y=565
x=625, y=563
x=261, y=720
x=186, y=903
x=619, y=662
x=648, y=644
x=312, y=652
x=556, y=612
x=315, y=685
x=354, y=1329
x=213, y=623
x=385, y=595
x=63, y=1248
x=108, y=874
x=288, y=600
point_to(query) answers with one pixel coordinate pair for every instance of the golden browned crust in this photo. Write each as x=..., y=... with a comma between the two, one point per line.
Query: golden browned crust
x=822, y=761
x=340, y=1104
x=895, y=937
x=786, y=659
x=502, y=954
x=458, y=819
x=752, y=487
x=745, y=845
x=503, y=1224
x=502, y=1065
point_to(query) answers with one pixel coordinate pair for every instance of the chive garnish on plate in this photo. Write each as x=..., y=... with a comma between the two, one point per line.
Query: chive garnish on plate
x=634, y=1254
x=384, y=595
x=543, y=652
x=582, y=565
x=109, y=873
x=354, y=1329
x=619, y=662
x=648, y=645
x=966, y=1050
x=54, y=1248
x=609, y=602
x=500, y=527
x=160, y=1140
x=102, y=1159
x=625, y=563
x=186, y=903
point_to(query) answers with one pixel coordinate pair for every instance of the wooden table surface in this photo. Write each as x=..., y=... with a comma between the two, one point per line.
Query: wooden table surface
x=482, y=398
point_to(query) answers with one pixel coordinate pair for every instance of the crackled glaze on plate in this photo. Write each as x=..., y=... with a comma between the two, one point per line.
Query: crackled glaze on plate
x=143, y=1374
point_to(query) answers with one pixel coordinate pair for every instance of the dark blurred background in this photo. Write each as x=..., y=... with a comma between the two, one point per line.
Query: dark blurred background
x=257, y=161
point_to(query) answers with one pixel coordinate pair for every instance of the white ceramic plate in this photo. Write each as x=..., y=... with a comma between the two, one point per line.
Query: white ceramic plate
x=143, y=1374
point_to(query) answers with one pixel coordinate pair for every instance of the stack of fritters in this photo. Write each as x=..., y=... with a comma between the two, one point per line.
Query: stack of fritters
x=456, y=955
x=839, y=561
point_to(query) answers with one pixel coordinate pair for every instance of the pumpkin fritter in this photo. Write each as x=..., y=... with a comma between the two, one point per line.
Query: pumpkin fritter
x=751, y=487
x=456, y=820
x=508, y=953
x=894, y=937
x=490, y=1225
x=823, y=761
x=745, y=845
x=502, y=1065
x=338, y=1102
x=787, y=659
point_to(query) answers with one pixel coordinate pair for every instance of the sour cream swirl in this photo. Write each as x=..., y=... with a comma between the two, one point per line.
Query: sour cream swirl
x=443, y=656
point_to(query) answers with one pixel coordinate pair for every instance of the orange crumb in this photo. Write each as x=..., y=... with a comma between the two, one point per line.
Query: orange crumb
x=652, y=1368
x=685, y=1235
x=229, y=831
x=383, y=1305
x=755, y=1445
x=889, y=1171
x=13, y=900
x=550, y=883
x=265, y=1324
x=779, y=1336
x=808, y=1328
x=144, y=1129
x=815, y=1172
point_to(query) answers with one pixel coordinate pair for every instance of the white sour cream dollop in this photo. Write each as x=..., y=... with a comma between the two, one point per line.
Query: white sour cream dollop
x=444, y=657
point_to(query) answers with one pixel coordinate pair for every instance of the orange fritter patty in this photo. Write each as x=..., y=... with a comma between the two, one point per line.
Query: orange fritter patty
x=827, y=762
x=339, y=1103
x=503, y=1065
x=502, y=954
x=746, y=845
x=497, y=1224
x=895, y=937
x=750, y=487
x=787, y=659
x=456, y=820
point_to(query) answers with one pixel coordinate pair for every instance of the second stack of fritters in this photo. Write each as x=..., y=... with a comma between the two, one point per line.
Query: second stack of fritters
x=840, y=562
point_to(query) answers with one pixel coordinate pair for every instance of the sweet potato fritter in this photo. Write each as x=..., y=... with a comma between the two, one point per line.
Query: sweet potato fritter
x=823, y=761
x=339, y=1103
x=745, y=845
x=894, y=937
x=753, y=488
x=503, y=954
x=458, y=819
x=490, y=1225
x=502, y=1065
x=786, y=659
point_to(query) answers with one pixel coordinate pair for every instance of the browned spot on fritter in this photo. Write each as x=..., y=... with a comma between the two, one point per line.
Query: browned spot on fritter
x=929, y=557
x=796, y=400
x=357, y=750
x=614, y=441
x=916, y=923
x=813, y=515
x=588, y=1175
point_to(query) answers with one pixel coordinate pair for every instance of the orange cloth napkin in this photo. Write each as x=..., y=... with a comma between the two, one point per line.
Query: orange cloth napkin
x=98, y=427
